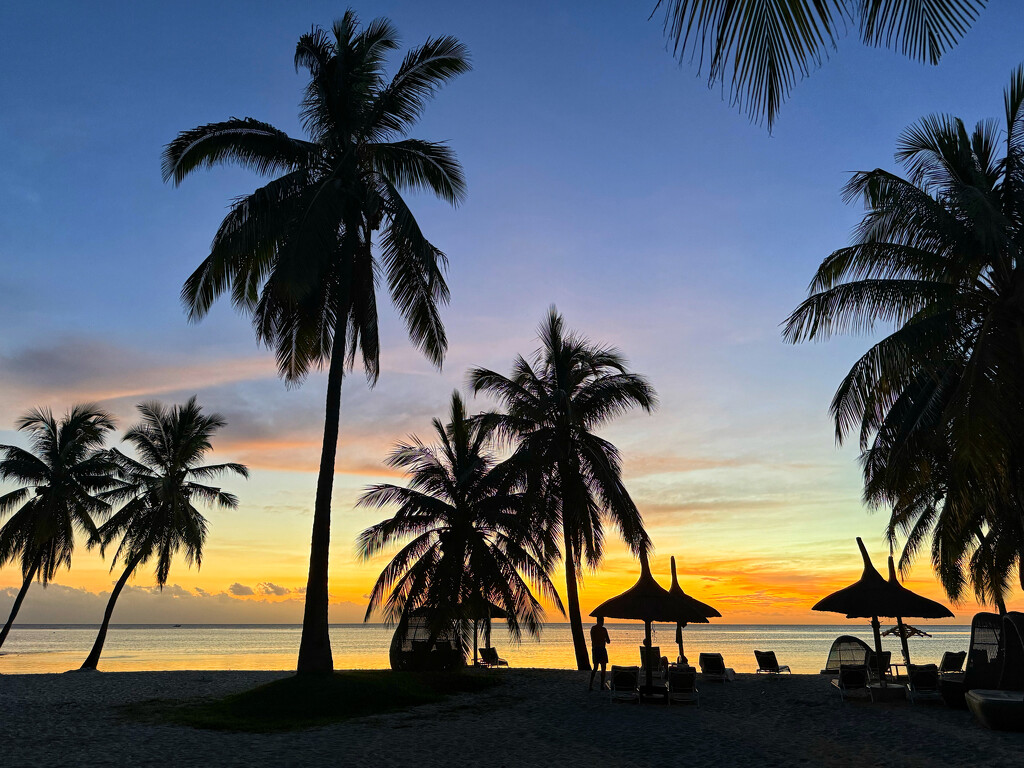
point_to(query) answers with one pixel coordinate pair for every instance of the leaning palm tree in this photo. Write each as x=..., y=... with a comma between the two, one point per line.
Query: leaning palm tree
x=552, y=407
x=159, y=490
x=60, y=475
x=762, y=48
x=297, y=255
x=467, y=528
x=937, y=402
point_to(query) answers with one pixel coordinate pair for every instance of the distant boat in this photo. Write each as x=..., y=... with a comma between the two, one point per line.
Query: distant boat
x=176, y=626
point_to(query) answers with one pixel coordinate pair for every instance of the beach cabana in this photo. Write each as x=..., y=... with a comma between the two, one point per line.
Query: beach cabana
x=872, y=596
x=984, y=662
x=645, y=601
x=848, y=650
x=1002, y=707
x=699, y=612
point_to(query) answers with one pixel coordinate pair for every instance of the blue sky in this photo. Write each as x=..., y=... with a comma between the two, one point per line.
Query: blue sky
x=603, y=177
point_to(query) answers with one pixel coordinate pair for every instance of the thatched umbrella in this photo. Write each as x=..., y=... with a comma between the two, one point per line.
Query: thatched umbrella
x=482, y=610
x=698, y=612
x=907, y=603
x=872, y=596
x=645, y=601
x=865, y=598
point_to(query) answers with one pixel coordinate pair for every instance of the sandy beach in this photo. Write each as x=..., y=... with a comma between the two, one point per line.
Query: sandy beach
x=538, y=717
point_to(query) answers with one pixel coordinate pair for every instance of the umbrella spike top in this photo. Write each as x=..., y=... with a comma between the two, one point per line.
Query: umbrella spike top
x=698, y=612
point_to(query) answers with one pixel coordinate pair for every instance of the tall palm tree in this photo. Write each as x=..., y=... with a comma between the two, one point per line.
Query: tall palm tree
x=467, y=528
x=60, y=475
x=159, y=490
x=937, y=402
x=762, y=48
x=553, y=405
x=297, y=255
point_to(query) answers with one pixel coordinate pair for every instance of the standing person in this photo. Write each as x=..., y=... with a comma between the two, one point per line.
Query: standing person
x=599, y=640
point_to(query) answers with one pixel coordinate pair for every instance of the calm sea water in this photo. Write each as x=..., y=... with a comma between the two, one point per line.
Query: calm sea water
x=57, y=648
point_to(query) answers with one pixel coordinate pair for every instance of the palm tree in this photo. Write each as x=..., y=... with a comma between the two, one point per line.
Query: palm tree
x=159, y=517
x=297, y=255
x=60, y=476
x=937, y=402
x=552, y=407
x=466, y=522
x=763, y=48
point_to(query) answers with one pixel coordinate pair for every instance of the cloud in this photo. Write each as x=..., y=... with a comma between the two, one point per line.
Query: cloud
x=60, y=604
x=240, y=589
x=269, y=588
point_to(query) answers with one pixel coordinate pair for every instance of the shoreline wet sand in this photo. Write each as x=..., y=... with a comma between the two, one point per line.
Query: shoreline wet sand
x=537, y=717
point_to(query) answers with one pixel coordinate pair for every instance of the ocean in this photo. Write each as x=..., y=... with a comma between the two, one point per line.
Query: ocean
x=58, y=648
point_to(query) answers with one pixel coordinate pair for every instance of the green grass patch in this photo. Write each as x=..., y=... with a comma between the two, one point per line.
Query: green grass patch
x=305, y=702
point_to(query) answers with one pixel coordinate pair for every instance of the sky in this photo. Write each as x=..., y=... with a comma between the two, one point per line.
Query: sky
x=604, y=178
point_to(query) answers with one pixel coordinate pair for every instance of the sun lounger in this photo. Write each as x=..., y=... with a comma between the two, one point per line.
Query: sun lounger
x=654, y=660
x=682, y=685
x=924, y=682
x=1001, y=710
x=952, y=663
x=712, y=667
x=852, y=679
x=767, y=664
x=872, y=664
x=489, y=658
x=625, y=684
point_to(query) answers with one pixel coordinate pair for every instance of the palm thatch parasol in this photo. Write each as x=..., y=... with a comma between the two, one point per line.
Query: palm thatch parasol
x=864, y=598
x=872, y=596
x=479, y=610
x=698, y=612
x=907, y=603
x=645, y=601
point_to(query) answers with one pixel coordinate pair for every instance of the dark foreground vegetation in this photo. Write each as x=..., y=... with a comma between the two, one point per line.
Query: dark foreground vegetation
x=308, y=701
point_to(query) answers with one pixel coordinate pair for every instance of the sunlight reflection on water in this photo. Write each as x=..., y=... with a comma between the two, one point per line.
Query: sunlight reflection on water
x=52, y=648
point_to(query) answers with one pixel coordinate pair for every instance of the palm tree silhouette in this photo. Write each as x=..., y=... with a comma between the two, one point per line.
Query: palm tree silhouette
x=297, y=255
x=159, y=517
x=552, y=407
x=61, y=476
x=763, y=48
x=937, y=402
x=469, y=532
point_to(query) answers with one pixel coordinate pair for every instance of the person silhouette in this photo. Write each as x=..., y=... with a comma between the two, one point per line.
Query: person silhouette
x=599, y=640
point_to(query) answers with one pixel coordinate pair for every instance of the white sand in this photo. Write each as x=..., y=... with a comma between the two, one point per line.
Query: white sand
x=539, y=717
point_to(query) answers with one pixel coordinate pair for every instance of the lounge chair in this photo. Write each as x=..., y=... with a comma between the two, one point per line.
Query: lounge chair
x=1001, y=710
x=654, y=660
x=924, y=682
x=853, y=678
x=952, y=663
x=712, y=667
x=769, y=665
x=489, y=658
x=625, y=684
x=872, y=664
x=682, y=685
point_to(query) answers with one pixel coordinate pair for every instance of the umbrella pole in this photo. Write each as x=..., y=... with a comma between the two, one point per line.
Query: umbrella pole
x=647, y=642
x=878, y=649
x=475, y=643
x=679, y=642
x=903, y=642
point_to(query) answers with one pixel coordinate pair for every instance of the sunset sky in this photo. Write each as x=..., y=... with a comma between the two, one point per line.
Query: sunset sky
x=603, y=178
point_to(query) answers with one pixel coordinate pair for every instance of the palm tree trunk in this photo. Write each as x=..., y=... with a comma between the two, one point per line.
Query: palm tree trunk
x=315, y=647
x=579, y=640
x=97, y=647
x=17, y=603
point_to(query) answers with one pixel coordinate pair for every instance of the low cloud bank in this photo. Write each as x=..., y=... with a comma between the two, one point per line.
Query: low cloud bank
x=59, y=604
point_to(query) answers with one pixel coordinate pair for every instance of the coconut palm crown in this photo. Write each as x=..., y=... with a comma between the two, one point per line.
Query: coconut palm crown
x=937, y=404
x=467, y=531
x=304, y=254
x=552, y=407
x=159, y=491
x=61, y=474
